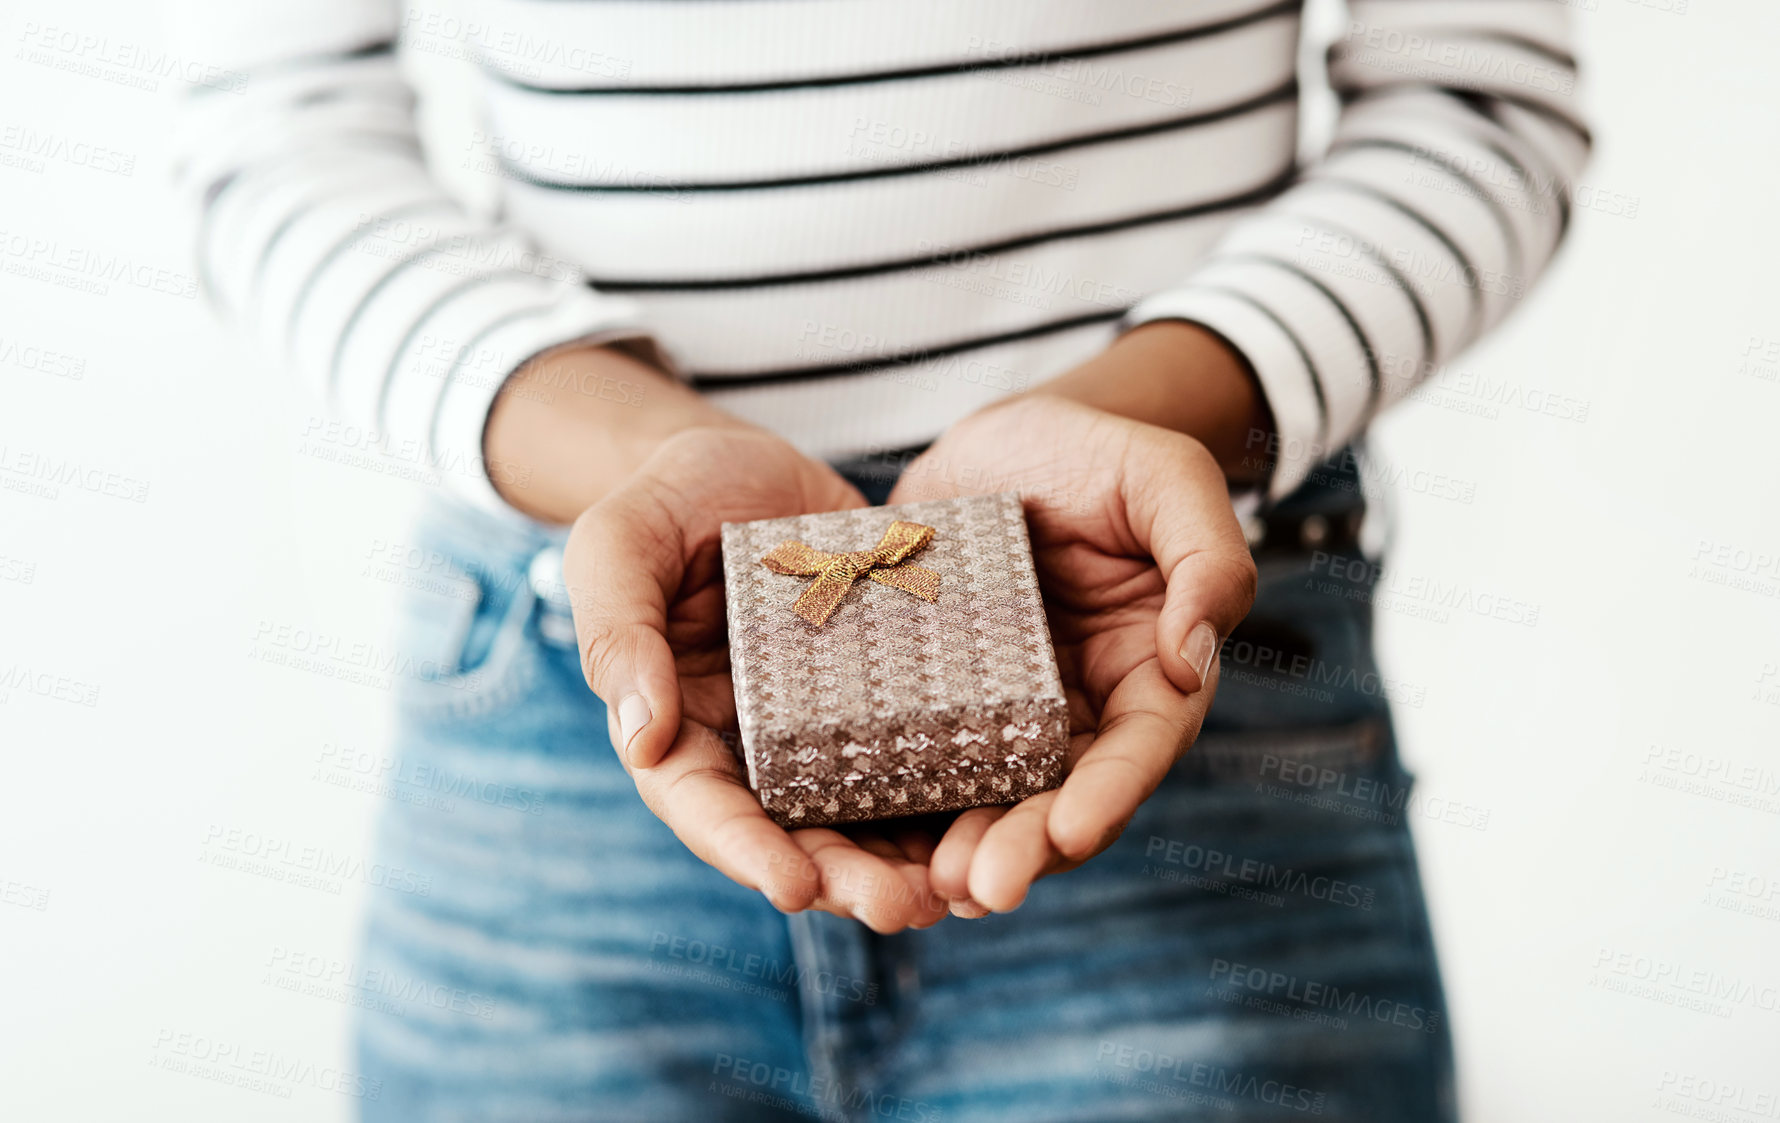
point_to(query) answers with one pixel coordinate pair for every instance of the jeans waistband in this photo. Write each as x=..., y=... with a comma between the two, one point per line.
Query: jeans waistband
x=1325, y=513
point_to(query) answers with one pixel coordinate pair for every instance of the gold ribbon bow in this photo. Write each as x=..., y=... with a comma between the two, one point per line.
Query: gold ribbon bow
x=835, y=573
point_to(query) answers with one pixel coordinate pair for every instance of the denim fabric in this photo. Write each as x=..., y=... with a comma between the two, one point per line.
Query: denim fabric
x=1255, y=946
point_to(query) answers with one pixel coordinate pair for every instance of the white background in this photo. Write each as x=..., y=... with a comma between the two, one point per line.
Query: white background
x=1623, y=747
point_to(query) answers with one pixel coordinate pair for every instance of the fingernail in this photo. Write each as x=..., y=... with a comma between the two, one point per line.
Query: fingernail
x=1200, y=649
x=1018, y=903
x=633, y=715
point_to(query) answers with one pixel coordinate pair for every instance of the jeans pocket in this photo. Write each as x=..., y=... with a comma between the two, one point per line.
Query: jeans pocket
x=466, y=634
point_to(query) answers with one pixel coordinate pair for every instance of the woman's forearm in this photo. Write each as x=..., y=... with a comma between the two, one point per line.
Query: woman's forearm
x=1180, y=376
x=570, y=425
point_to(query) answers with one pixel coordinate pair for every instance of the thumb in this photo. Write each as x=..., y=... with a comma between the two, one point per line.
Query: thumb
x=620, y=570
x=1179, y=508
x=1208, y=595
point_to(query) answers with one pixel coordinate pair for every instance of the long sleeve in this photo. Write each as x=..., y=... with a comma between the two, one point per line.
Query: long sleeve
x=1444, y=193
x=320, y=231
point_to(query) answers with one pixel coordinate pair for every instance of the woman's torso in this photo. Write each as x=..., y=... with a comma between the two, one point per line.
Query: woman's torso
x=855, y=222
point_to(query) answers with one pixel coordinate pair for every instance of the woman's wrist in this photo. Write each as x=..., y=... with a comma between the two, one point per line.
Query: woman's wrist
x=572, y=423
x=1180, y=376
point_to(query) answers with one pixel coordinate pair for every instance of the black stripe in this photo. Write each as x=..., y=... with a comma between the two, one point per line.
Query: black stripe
x=1005, y=62
x=427, y=313
x=1286, y=92
x=880, y=463
x=202, y=240
x=499, y=322
x=369, y=50
x=353, y=237
x=307, y=207
x=1415, y=300
x=344, y=336
x=1316, y=380
x=1454, y=35
x=1550, y=112
x=1252, y=197
x=250, y=176
x=1351, y=94
x=1457, y=171
x=1561, y=188
x=1466, y=269
x=836, y=370
x=1554, y=55
x=1374, y=379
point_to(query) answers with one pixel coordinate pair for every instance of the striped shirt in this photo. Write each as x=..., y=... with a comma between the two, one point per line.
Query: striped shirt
x=855, y=221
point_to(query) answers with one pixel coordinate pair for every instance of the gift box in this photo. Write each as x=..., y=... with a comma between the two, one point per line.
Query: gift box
x=892, y=661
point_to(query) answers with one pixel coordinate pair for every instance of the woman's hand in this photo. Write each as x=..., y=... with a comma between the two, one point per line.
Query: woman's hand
x=643, y=569
x=1144, y=570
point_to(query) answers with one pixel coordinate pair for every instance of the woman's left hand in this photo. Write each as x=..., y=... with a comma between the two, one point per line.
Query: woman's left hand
x=1144, y=571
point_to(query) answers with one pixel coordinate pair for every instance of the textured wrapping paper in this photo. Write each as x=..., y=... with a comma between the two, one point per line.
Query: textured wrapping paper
x=895, y=705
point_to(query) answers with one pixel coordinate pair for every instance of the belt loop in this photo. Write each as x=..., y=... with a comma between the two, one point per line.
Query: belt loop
x=556, y=623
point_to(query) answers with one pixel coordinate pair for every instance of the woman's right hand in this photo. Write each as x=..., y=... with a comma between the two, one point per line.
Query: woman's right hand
x=644, y=571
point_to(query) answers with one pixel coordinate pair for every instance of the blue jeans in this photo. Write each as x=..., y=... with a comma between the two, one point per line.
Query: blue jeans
x=1255, y=946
